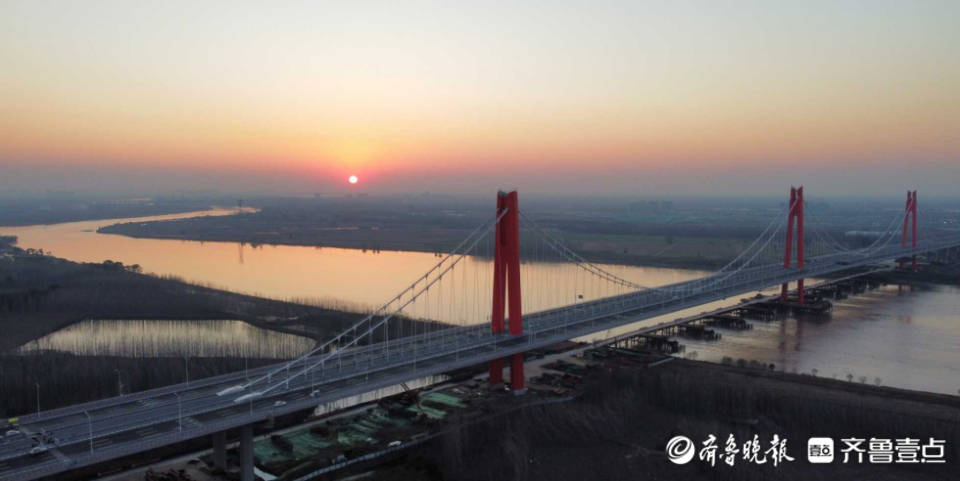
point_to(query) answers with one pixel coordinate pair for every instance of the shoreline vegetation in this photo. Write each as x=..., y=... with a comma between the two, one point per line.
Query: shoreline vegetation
x=683, y=249
x=41, y=294
x=384, y=242
x=686, y=233
x=16, y=213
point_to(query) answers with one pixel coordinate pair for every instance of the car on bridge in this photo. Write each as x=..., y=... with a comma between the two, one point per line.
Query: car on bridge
x=38, y=450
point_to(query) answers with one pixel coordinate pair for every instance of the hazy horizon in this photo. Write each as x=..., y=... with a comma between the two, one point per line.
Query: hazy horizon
x=120, y=182
x=611, y=98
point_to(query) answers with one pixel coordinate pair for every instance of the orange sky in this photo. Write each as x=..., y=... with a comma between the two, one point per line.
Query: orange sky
x=314, y=93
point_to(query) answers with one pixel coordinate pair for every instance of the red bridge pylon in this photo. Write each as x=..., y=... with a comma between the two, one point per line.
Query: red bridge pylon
x=796, y=212
x=506, y=286
x=910, y=212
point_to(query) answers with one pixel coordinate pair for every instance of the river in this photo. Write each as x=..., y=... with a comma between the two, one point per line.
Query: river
x=905, y=337
x=343, y=278
x=902, y=336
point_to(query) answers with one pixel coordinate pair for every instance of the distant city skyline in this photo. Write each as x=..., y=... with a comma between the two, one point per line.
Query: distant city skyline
x=731, y=98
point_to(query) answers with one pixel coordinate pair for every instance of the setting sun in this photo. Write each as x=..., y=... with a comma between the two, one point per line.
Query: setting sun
x=353, y=179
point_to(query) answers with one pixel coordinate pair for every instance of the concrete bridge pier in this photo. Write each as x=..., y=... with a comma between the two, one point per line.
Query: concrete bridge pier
x=246, y=453
x=220, y=450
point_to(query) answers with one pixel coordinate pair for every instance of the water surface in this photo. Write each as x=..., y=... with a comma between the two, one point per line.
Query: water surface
x=170, y=338
x=906, y=337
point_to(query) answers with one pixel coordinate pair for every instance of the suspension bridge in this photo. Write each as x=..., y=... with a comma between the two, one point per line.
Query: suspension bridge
x=509, y=287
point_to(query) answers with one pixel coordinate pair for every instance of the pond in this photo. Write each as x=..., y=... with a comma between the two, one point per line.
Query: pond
x=170, y=338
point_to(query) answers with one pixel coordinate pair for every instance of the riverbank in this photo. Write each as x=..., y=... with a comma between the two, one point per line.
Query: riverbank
x=40, y=294
x=15, y=212
x=933, y=273
x=634, y=249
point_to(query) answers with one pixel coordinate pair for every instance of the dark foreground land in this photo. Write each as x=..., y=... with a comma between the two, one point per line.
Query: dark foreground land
x=69, y=379
x=617, y=429
x=607, y=416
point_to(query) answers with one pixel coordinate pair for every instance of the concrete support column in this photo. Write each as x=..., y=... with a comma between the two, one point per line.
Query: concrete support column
x=246, y=453
x=220, y=449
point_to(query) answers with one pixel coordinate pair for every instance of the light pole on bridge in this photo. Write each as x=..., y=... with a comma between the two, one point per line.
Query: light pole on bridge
x=38, y=399
x=90, y=427
x=179, y=411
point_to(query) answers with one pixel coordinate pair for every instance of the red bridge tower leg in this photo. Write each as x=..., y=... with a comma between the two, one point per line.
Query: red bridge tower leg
x=910, y=215
x=796, y=213
x=506, y=286
x=499, y=291
x=914, y=228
